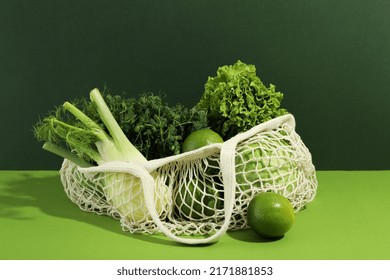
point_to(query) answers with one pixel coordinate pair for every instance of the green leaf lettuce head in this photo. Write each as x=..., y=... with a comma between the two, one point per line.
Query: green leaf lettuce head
x=237, y=100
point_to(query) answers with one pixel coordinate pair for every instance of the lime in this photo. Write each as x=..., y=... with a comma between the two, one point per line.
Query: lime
x=196, y=201
x=199, y=200
x=200, y=138
x=270, y=214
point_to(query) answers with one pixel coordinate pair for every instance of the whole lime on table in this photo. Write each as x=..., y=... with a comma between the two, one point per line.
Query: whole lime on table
x=200, y=138
x=270, y=214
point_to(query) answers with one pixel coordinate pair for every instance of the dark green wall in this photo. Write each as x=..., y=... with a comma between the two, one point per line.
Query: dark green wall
x=331, y=59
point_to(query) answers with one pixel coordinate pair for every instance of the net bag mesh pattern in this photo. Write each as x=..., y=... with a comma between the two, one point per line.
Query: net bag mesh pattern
x=202, y=192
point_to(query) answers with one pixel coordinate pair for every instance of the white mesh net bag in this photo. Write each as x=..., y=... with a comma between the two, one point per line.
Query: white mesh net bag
x=195, y=197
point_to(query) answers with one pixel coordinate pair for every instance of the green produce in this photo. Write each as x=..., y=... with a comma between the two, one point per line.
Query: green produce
x=78, y=138
x=154, y=127
x=200, y=198
x=200, y=138
x=258, y=164
x=270, y=215
x=237, y=100
x=197, y=200
x=83, y=136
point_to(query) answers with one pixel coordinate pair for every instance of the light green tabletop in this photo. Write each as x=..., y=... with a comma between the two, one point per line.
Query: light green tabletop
x=348, y=219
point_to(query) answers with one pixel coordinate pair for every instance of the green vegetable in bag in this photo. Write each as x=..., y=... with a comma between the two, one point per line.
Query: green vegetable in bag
x=260, y=164
x=200, y=138
x=70, y=133
x=237, y=100
x=197, y=200
x=200, y=198
x=156, y=128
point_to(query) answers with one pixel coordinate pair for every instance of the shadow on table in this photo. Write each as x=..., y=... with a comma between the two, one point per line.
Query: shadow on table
x=47, y=194
x=251, y=236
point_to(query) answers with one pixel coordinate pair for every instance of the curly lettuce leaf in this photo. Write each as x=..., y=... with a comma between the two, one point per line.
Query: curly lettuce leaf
x=237, y=100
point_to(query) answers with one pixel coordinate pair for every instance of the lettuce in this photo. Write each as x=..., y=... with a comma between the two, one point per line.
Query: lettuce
x=237, y=100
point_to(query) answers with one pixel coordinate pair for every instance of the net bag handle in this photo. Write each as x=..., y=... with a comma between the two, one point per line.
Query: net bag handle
x=228, y=176
x=149, y=185
x=228, y=169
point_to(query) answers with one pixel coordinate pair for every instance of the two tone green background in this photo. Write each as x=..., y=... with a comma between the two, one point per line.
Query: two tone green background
x=331, y=59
